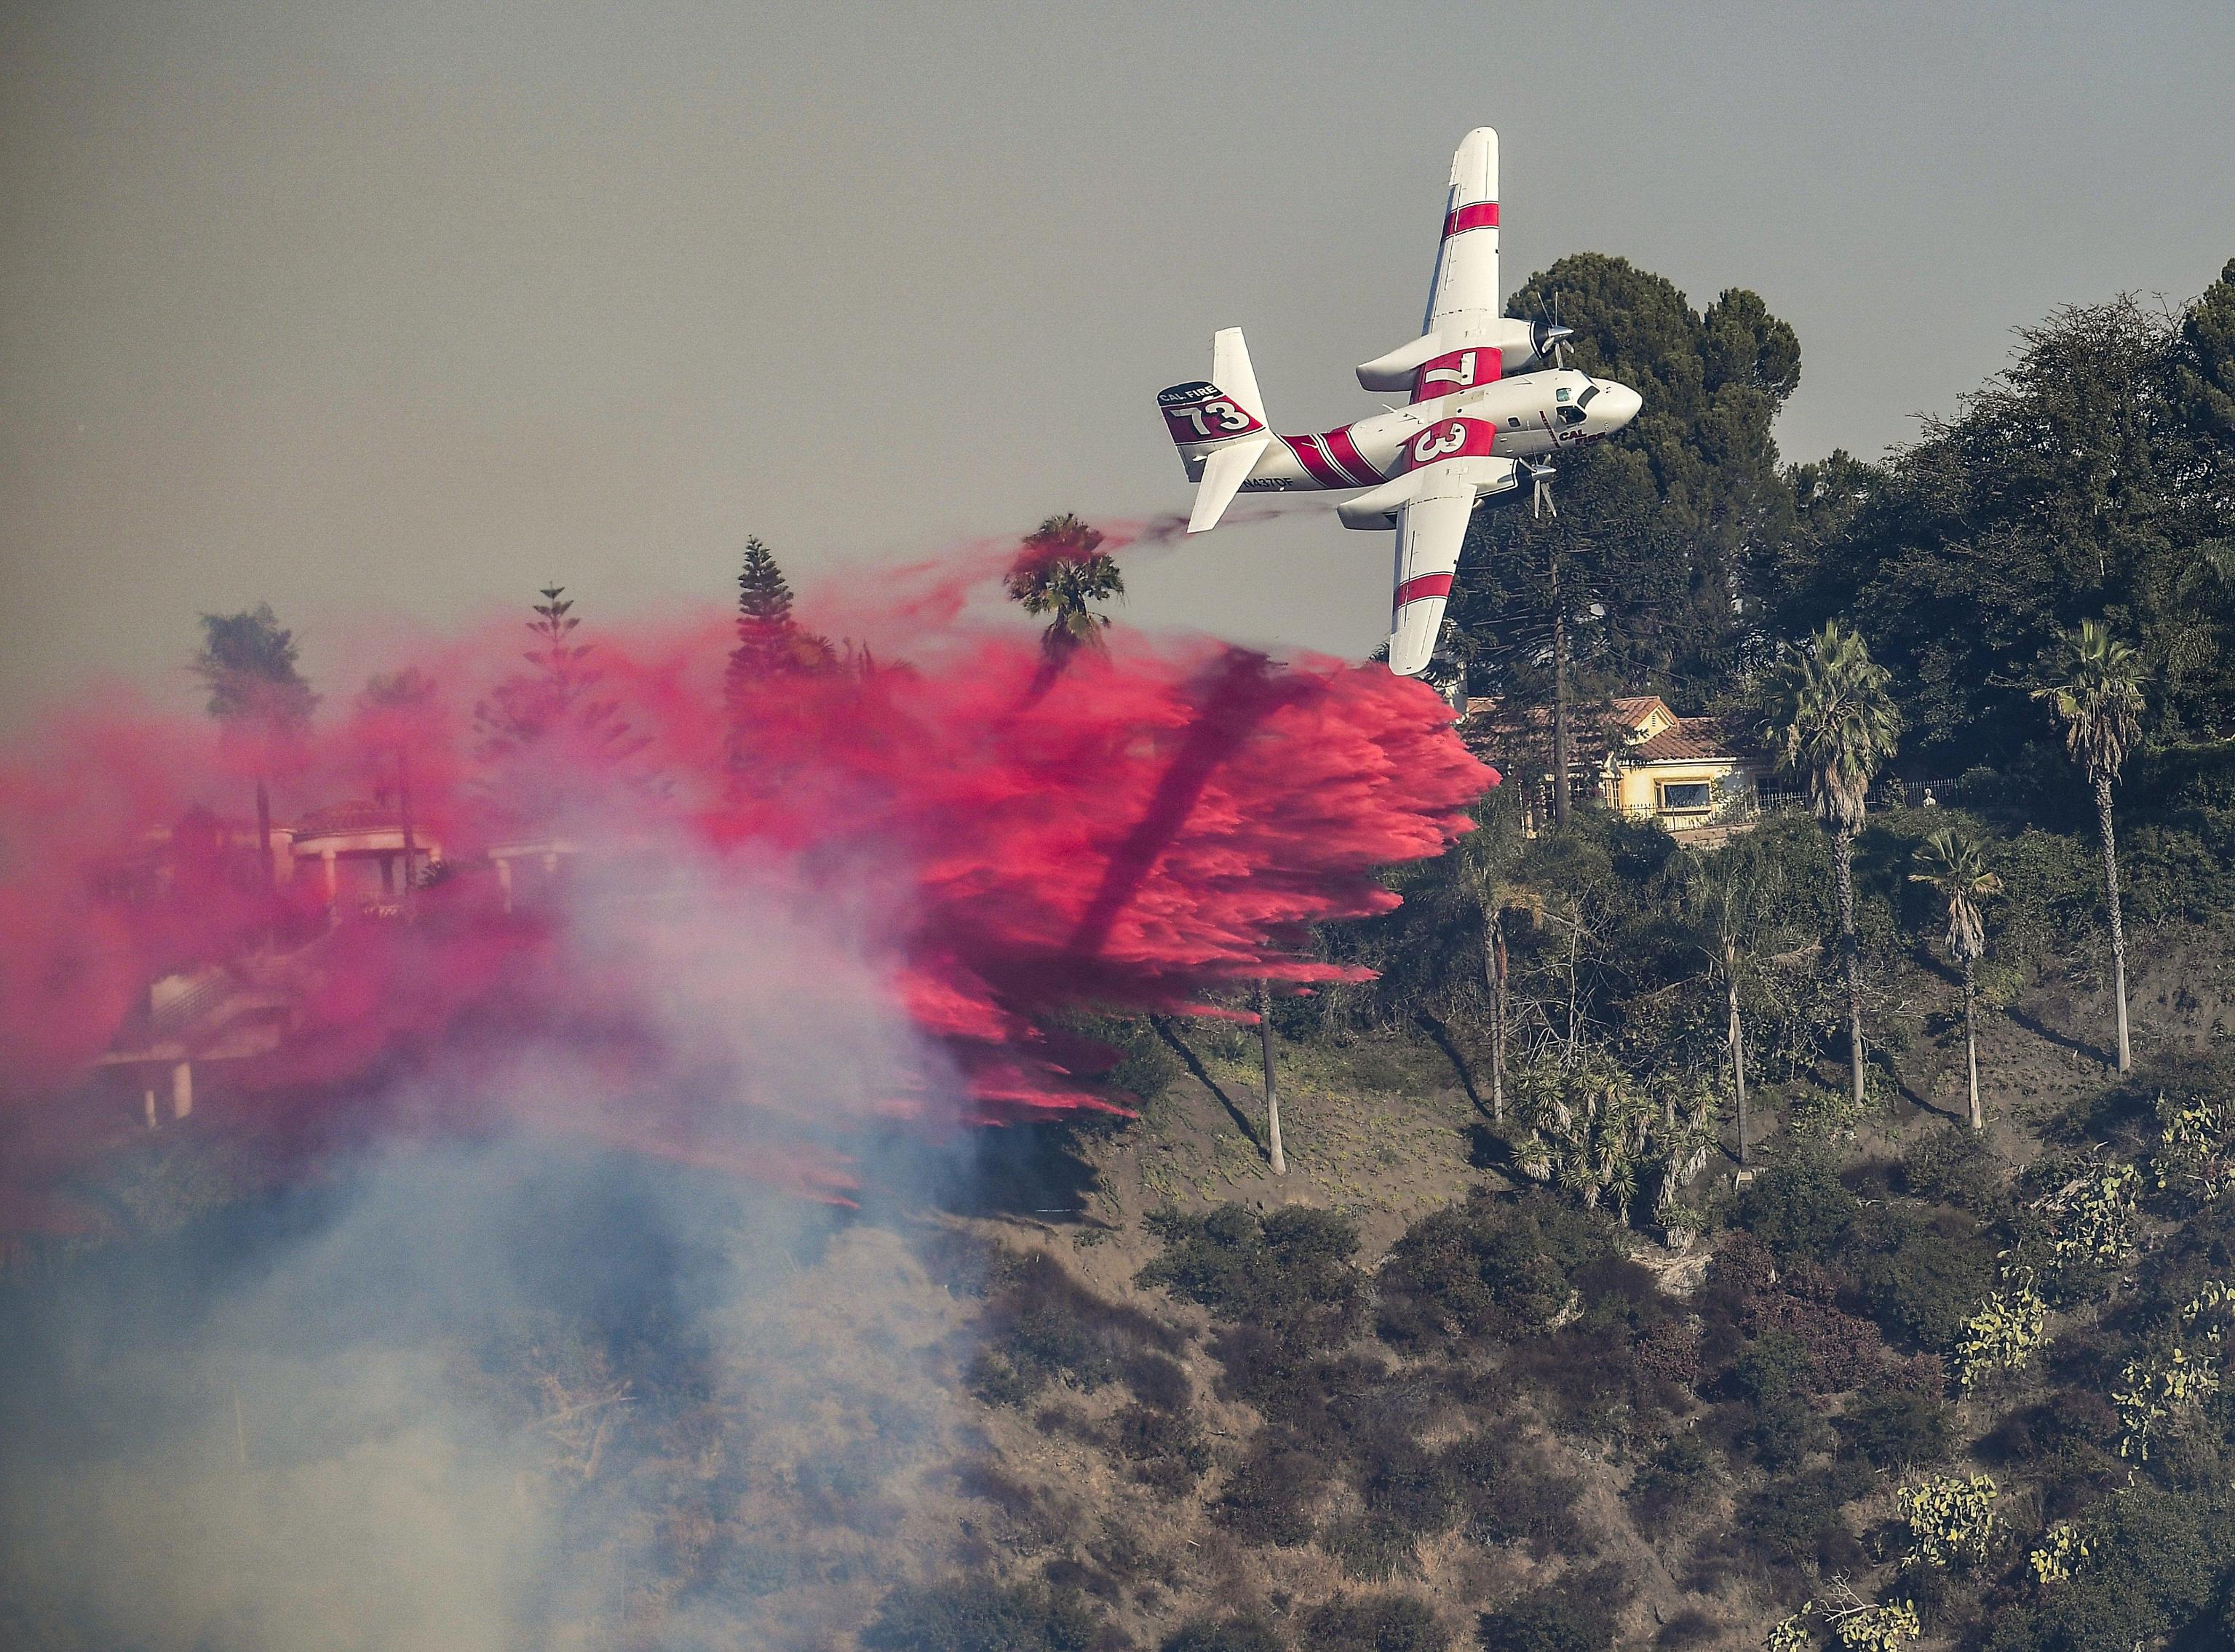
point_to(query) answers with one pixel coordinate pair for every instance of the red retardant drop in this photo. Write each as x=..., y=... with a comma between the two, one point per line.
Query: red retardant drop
x=642, y=889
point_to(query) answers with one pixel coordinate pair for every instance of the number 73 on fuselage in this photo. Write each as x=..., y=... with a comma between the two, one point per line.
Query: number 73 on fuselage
x=1490, y=399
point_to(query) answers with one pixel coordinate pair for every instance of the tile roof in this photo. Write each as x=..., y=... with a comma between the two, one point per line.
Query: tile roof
x=1689, y=739
x=355, y=815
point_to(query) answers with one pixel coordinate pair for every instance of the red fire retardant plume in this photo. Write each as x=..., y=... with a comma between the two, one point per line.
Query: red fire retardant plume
x=928, y=825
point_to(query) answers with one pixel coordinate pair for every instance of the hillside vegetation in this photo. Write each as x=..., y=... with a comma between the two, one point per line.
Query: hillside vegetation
x=1537, y=1344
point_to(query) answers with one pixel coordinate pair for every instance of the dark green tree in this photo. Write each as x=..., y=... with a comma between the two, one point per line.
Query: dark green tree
x=1643, y=581
x=771, y=641
x=2094, y=478
x=2203, y=364
x=248, y=663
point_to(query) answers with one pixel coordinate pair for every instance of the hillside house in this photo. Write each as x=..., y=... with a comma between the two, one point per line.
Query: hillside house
x=1632, y=754
x=1682, y=772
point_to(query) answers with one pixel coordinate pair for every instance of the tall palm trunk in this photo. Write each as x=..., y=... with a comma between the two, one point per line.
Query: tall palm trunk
x=2118, y=922
x=1737, y=1037
x=1971, y=1042
x=1561, y=747
x=1851, y=951
x=264, y=835
x=1494, y=958
x=1272, y=1091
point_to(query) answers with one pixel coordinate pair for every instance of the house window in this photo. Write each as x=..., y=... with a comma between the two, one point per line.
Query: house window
x=1688, y=797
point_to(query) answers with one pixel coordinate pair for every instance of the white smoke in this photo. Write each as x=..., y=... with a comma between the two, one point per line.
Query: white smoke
x=483, y=1393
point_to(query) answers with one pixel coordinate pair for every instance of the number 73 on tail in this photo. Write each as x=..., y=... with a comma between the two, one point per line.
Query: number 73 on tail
x=1491, y=399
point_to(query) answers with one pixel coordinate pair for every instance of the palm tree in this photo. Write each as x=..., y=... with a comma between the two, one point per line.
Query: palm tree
x=1834, y=723
x=247, y=663
x=1951, y=862
x=2100, y=698
x=1723, y=916
x=1062, y=573
x=399, y=698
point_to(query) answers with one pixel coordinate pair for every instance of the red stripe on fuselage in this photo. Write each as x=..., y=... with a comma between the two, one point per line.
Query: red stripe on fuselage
x=1323, y=470
x=1428, y=585
x=1344, y=453
x=1481, y=215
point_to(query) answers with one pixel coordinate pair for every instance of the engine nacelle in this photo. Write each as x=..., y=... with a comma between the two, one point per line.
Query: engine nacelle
x=1516, y=342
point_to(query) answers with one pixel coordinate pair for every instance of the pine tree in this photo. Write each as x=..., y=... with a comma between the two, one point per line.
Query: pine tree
x=771, y=641
x=554, y=711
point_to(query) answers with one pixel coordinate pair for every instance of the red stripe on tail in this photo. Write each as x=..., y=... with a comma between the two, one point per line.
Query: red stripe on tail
x=1481, y=215
x=1428, y=585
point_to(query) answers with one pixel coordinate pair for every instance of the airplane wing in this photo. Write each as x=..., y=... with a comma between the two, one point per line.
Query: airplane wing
x=1466, y=259
x=1429, y=530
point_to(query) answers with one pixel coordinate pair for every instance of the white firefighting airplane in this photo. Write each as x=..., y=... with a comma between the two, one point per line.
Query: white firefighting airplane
x=1489, y=396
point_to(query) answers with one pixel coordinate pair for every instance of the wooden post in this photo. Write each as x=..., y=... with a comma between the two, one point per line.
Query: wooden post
x=182, y=1088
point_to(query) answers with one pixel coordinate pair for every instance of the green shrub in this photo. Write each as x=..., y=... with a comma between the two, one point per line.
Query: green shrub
x=1375, y=1623
x=1371, y=1548
x=1953, y=1165
x=977, y=1614
x=1244, y=1633
x=1895, y=1427
x=1798, y=1209
x=1679, y=1477
x=1273, y=1493
x=1289, y=1273
x=1924, y=1275
x=1794, y=1521
x=1409, y=1485
x=1569, y=1620
x=2155, y=1559
x=1505, y=1497
x=1773, y=1365
x=1165, y=1448
x=1488, y=1268
x=1042, y=1325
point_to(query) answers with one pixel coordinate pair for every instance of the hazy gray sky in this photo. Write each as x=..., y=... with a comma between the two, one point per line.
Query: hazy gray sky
x=412, y=306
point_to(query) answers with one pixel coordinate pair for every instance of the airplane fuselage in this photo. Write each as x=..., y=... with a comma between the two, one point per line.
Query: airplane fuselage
x=1530, y=416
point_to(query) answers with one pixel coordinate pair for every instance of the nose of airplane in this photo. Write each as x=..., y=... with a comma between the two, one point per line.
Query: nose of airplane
x=1619, y=402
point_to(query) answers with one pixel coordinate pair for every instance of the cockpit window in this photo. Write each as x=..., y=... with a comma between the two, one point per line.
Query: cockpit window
x=1584, y=400
x=1572, y=414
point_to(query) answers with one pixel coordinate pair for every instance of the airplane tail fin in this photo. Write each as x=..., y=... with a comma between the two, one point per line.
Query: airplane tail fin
x=1219, y=427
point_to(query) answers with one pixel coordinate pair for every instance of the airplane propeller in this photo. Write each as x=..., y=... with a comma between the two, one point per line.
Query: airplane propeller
x=1540, y=495
x=1551, y=337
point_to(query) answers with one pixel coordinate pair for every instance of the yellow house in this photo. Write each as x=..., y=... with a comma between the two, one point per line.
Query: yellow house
x=1681, y=771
